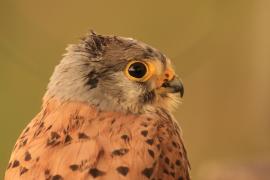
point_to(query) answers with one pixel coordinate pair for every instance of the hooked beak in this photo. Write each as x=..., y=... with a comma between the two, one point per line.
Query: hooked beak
x=174, y=86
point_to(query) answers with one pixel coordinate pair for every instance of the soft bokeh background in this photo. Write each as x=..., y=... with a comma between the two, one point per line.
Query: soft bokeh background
x=221, y=49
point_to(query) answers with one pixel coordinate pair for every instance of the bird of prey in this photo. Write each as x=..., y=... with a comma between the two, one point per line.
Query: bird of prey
x=106, y=115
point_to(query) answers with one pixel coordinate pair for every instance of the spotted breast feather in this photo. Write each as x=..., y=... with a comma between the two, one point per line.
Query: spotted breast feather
x=72, y=140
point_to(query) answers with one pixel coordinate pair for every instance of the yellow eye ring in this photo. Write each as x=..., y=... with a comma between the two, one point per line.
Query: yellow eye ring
x=139, y=71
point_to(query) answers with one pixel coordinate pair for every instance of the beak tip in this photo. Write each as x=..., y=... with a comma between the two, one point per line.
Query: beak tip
x=181, y=90
x=182, y=94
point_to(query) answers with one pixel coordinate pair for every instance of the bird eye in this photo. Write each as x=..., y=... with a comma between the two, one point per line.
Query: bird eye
x=138, y=71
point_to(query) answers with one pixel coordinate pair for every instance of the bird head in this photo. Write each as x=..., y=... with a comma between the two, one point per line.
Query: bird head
x=116, y=74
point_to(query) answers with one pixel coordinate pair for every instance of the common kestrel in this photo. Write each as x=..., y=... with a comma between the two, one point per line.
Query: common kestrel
x=106, y=115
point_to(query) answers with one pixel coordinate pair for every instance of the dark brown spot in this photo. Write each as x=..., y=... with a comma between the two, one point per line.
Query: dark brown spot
x=144, y=133
x=180, y=178
x=120, y=152
x=37, y=132
x=172, y=166
x=158, y=146
x=23, y=170
x=47, y=172
x=83, y=136
x=180, y=154
x=172, y=174
x=113, y=121
x=169, y=148
x=68, y=138
x=55, y=135
x=41, y=125
x=151, y=153
x=167, y=161
x=49, y=128
x=52, y=142
x=174, y=144
x=27, y=156
x=149, y=141
x=178, y=162
x=15, y=164
x=123, y=170
x=166, y=171
x=187, y=176
x=95, y=172
x=74, y=167
x=57, y=177
x=144, y=124
x=148, y=172
x=125, y=137
x=160, y=139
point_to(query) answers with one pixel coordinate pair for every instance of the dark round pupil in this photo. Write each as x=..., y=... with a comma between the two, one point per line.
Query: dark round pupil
x=137, y=70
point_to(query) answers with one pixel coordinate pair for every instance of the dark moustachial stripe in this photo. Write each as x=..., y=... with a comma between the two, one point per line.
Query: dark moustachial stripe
x=92, y=79
x=149, y=96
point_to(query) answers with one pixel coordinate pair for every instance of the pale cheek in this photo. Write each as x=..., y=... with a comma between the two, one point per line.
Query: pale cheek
x=169, y=101
x=133, y=93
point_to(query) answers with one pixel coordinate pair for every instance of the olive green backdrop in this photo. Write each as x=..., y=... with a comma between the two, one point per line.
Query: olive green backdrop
x=221, y=49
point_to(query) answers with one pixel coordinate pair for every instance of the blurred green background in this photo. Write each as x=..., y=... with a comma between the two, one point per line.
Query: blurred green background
x=221, y=49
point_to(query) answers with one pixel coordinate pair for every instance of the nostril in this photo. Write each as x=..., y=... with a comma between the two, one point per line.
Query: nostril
x=166, y=84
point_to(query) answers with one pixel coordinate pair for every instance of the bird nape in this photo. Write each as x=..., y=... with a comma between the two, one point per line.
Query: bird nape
x=106, y=115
